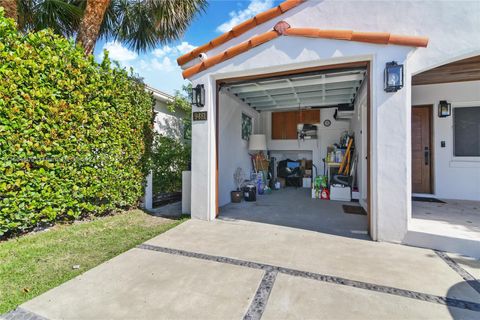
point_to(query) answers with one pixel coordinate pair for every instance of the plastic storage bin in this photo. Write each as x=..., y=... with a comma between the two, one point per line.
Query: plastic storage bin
x=340, y=193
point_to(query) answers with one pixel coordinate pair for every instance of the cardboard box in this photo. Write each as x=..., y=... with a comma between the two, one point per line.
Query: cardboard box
x=307, y=182
x=282, y=182
x=308, y=165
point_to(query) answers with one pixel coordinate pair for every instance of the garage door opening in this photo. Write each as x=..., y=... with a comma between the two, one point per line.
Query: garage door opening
x=312, y=126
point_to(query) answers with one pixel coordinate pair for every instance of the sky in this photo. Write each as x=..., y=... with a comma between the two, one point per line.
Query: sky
x=158, y=67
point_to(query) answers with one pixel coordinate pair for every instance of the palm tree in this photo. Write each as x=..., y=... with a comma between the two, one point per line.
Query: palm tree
x=11, y=8
x=91, y=23
x=138, y=24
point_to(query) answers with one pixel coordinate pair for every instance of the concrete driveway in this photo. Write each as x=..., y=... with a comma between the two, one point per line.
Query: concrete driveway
x=250, y=270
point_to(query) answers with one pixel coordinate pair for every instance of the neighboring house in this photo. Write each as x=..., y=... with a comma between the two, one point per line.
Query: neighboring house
x=331, y=54
x=166, y=122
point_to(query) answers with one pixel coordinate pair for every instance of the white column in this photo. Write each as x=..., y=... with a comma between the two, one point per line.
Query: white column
x=203, y=204
x=149, y=192
x=186, y=191
x=391, y=166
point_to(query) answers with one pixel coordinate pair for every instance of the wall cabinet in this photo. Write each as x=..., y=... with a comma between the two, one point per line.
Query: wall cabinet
x=309, y=116
x=284, y=124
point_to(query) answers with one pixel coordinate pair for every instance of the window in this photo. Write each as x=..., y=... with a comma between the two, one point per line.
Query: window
x=246, y=126
x=466, y=128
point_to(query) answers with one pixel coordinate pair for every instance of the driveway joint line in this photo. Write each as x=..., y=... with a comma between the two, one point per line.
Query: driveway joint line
x=451, y=302
x=260, y=300
x=470, y=279
x=21, y=314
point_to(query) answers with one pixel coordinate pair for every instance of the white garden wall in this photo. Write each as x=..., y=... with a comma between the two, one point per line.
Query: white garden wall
x=453, y=178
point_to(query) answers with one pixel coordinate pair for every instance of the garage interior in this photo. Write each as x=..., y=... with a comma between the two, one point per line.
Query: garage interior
x=294, y=148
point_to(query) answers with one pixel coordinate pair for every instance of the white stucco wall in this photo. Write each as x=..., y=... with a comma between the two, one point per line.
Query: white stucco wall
x=166, y=122
x=454, y=178
x=233, y=150
x=452, y=28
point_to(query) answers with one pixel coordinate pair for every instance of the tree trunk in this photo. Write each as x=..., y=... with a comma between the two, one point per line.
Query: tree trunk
x=91, y=22
x=11, y=8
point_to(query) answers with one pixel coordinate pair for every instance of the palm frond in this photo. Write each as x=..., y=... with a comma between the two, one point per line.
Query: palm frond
x=62, y=16
x=143, y=25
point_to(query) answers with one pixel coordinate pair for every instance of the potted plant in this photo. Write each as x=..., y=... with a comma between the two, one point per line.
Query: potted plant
x=238, y=178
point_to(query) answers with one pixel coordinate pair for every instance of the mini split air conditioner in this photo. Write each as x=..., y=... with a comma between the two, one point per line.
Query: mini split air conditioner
x=344, y=112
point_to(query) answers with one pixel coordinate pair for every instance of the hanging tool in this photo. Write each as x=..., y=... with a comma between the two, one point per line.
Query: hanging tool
x=344, y=160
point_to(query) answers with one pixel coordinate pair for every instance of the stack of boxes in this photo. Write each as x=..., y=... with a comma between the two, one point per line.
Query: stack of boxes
x=306, y=166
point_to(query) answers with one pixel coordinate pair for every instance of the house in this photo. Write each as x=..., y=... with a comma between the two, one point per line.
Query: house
x=166, y=122
x=403, y=78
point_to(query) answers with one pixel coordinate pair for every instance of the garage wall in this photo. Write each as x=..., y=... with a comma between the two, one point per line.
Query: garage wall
x=318, y=147
x=358, y=125
x=233, y=150
x=454, y=178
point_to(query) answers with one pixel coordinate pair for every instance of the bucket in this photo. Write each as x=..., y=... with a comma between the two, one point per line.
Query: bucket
x=236, y=196
x=250, y=193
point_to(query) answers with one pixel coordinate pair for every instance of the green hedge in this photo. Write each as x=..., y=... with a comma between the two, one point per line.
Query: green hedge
x=74, y=134
x=170, y=157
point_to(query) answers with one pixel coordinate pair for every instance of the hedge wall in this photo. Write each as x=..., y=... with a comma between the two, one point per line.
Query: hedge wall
x=73, y=133
x=170, y=157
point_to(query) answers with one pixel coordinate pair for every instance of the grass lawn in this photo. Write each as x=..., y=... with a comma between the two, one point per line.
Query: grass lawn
x=35, y=263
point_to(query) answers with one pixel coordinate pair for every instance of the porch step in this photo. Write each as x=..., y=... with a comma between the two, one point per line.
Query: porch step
x=441, y=236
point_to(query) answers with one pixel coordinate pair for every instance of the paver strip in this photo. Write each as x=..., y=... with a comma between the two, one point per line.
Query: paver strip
x=451, y=302
x=257, y=307
x=471, y=280
x=21, y=314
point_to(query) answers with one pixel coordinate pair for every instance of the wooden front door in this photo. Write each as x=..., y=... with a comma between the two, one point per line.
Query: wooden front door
x=421, y=149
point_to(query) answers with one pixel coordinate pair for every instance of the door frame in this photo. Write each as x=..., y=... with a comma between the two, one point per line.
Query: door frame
x=431, y=146
x=365, y=64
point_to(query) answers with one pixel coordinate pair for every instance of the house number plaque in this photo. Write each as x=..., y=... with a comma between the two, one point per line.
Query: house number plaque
x=200, y=116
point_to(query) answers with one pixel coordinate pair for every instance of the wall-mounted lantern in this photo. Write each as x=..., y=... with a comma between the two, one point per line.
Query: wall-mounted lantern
x=198, y=96
x=444, y=109
x=393, y=77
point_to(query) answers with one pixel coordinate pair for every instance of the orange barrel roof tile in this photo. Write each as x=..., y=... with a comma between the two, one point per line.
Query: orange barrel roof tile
x=240, y=29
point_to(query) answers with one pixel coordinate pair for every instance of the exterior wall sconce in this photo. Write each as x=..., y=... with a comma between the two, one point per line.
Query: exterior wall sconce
x=198, y=96
x=444, y=109
x=393, y=77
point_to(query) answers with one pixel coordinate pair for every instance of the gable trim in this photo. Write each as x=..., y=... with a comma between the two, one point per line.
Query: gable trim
x=282, y=28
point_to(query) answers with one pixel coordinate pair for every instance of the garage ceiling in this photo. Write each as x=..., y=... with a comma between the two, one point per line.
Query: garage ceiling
x=326, y=89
